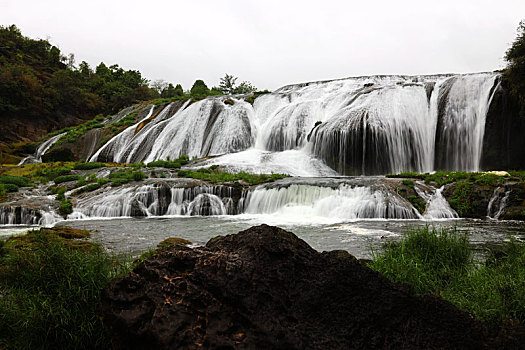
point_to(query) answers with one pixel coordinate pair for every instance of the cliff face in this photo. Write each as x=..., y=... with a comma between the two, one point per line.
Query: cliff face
x=264, y=288
x=504, y=141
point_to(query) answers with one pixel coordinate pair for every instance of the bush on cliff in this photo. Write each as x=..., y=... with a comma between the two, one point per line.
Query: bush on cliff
x=515, y=72
x=50, y=290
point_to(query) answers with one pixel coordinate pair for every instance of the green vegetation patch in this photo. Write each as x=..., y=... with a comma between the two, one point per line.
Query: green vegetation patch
x=124, y=176
x=88, y=166
x=51, y=289
x=441, y=262
x=214, y=175
x=66, y=178
x=170, y=164
x=19, y=181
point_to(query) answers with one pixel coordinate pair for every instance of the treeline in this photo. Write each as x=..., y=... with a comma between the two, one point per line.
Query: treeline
x=39, y=83
x=37, y=80
x=514, y=74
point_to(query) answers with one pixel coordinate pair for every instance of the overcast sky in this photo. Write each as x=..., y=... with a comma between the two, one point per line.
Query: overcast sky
x=274, y=43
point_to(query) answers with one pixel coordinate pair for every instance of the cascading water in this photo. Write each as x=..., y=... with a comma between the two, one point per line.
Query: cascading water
x=343, y=202
x=41, y=150
x=357, y=126
x=158, y=199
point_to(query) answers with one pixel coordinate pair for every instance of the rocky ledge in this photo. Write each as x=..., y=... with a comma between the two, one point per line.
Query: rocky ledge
x=266, y=288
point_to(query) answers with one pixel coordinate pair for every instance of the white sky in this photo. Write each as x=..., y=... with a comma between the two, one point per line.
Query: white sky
x=274, y=43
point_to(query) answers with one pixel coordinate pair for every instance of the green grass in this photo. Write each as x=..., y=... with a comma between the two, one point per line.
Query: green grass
x=441, y=262
x=50, y=291
x=214, y=175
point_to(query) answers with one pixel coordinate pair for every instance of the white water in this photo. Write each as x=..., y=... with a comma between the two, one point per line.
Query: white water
x=41, y=150
x=343, y=202
x=369, y=125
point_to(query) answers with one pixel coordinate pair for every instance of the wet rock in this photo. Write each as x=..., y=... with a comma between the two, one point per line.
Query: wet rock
x=264, y=288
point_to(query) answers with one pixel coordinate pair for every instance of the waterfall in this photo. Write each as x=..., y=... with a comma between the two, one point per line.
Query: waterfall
x=438, y=207
x=463, y=106
x=342, y=202
x=157, y=200
x=41, y=150
x=19, y=215
x=498, y=202
x=355, y=126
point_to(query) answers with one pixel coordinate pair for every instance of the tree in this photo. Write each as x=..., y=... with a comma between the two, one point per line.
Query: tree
x=159, y=85
x=244, y=88
x=178, y=90
x=168, y=91
x=515, y=72
x=227, y=84
x=199, y=89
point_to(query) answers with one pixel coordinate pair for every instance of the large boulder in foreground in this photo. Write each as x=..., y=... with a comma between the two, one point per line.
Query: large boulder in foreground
x=265, y=288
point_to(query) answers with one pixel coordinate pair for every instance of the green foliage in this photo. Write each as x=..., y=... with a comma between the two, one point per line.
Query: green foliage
x=37, y=81
x=88, y=166
x=441, y=263
x=514, y=75
x=10, y=187
x=60, y=194
x=461, y=200
x=65, y=208
x=120, y=177
x=170, y=164
x=50, y=293
x=217, y=176
x=228, y=87
x=66, y=178
x=19, y=181
x=199, y=89
x=87, y=188
x=126, y=121
x=441, y=178
x=408, y=183
x=81, y=182
x=418, y=203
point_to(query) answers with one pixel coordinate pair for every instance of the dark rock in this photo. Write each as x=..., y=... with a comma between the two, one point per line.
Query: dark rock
x=264, y=288
x=503, y=142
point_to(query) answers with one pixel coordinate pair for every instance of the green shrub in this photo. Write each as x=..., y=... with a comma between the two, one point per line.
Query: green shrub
x=50, y=294
x=67, y=178
x=81, y=182
x=408, y=183
x=217, y=176
x=120, y=177
x=87, y=188
x=20, y=181
x=88, y=166
x=65, y=208
x=10, y=187
x=60, y=194
x=170, y=164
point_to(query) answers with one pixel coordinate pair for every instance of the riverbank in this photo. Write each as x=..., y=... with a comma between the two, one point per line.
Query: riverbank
x=52, y=265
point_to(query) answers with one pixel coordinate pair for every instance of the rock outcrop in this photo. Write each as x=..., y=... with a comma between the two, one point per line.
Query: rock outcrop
x=264, y=288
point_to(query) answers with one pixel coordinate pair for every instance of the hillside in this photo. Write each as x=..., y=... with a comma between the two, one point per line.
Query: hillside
x=42, y=90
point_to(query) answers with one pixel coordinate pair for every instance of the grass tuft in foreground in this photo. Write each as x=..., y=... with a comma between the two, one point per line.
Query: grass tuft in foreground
x=441, y=262
x=50, y=290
